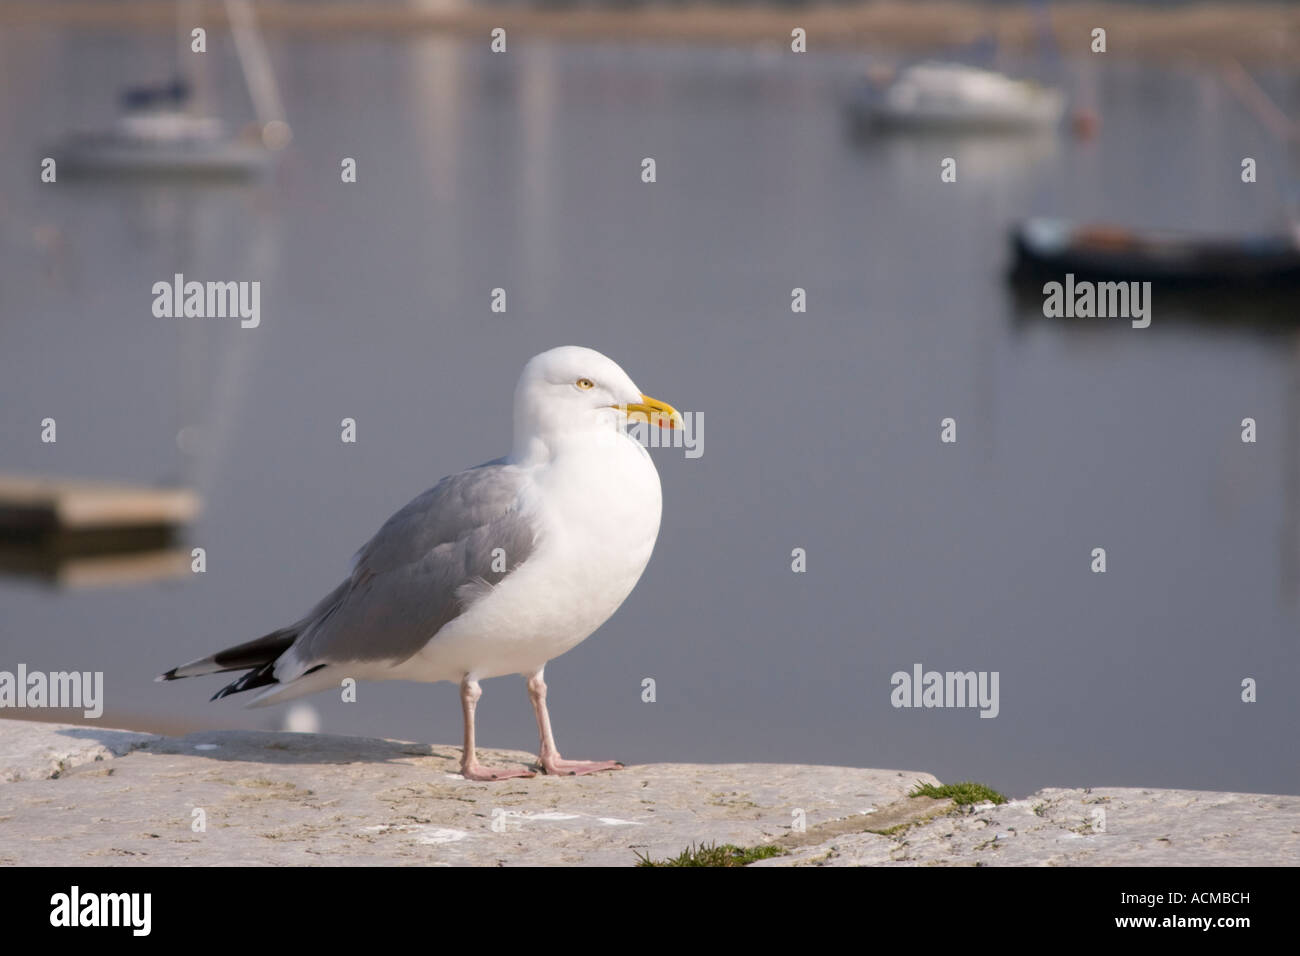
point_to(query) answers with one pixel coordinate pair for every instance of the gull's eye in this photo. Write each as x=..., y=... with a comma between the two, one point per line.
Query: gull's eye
x=585, y=383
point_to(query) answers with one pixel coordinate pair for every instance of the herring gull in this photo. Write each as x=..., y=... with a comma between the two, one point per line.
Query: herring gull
x=492, y=571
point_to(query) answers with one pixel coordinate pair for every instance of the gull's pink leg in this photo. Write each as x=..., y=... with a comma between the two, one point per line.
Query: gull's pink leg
x=470, y=768
x=550, y=758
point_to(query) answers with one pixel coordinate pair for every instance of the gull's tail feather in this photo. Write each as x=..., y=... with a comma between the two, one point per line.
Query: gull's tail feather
x=259, y=655
x=309, y=682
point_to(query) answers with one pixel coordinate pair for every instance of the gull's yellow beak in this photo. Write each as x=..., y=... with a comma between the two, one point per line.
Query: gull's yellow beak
x=653, y=411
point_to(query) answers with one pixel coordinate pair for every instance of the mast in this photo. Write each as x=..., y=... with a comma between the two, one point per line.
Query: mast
x=256, y=66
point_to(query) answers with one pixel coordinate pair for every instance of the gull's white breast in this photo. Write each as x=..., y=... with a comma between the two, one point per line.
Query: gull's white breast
x=597, y=505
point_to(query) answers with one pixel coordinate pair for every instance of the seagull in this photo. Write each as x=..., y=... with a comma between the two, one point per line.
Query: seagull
x=492, y=571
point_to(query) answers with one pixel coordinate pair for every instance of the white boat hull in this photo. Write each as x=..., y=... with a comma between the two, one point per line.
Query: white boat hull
x=959, y=98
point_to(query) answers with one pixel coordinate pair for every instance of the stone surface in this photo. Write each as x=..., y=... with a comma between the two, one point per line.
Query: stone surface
x=273, y=798
x=85, y=795
x=1101, y=826
x=33, y=751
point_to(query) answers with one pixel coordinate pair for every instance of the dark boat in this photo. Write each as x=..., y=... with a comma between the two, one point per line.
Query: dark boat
x=1047, y=249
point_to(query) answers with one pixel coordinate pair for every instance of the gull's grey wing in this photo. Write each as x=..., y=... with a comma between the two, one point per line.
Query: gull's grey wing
x=427, y=564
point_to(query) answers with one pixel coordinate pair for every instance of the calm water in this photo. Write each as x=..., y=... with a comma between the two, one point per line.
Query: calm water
x=821, y=430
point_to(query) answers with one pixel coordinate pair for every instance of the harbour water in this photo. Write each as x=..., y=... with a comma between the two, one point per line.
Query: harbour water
x=523, y=172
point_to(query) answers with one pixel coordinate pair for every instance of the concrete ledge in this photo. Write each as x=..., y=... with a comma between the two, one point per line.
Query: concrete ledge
x=76, y=795
x=1099, y=826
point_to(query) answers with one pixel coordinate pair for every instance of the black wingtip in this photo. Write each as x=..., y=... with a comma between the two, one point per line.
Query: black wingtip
x=170, y=675
x=229, y=689
x=259, y=677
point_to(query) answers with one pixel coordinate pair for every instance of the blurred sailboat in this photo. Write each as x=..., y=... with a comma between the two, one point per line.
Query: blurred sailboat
x=955, y=97
x=162, y=133
x=157, y=135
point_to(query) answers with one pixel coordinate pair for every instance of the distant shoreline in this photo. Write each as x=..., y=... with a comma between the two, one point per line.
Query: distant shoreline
x=1251, y=30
